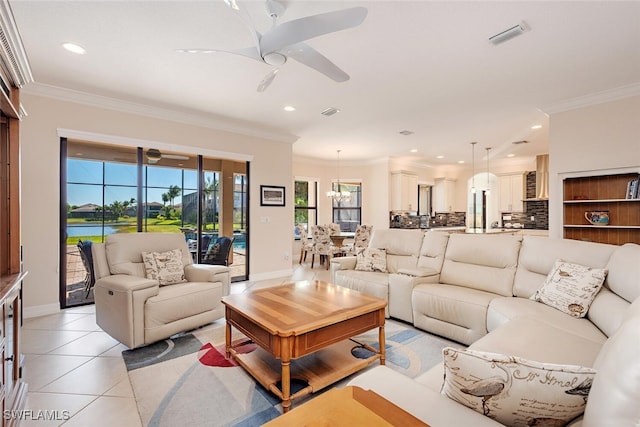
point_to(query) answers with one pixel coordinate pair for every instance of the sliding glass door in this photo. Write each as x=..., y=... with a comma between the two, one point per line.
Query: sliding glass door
x=108, y=189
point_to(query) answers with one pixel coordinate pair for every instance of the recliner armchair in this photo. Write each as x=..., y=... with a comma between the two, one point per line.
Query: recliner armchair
x=138, y=311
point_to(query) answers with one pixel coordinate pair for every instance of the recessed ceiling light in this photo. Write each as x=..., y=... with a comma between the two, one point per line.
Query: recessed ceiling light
x=72, y=47
x=536, y=127
x=440, y=157
x=511, y=155
x=414, y=150
x=289, y=108
x=461, y=161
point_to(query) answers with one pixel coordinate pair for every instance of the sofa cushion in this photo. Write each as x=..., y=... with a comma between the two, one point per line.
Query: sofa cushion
x=615, y=393
x=370, y=259
x=124, y=250
x=165, y=267
x=402, y=246
x=455, y=312
x=181, y=301
x=432, y=251
x=513, y=390
x=538, y=254
x=505, y=309
x=570, y=287
x=484, y=262
x=535, y=339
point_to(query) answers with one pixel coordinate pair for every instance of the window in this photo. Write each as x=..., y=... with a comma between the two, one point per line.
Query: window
x=348, y=213
x=306, y=202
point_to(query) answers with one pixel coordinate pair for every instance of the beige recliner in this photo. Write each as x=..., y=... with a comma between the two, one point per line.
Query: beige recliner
x=137, y=311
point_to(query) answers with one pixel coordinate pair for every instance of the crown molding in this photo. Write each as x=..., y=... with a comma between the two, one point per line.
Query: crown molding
x=13, y=56
x=190, y=118
x=593, y=99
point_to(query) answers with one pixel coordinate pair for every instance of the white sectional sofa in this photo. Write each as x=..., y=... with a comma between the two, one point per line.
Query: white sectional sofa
x=476, y=289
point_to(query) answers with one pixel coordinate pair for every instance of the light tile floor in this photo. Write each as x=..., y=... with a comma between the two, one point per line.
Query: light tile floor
x=71, y=366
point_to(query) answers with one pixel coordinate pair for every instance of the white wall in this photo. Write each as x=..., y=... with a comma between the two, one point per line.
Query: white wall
x=270, y=164
x=586, y=140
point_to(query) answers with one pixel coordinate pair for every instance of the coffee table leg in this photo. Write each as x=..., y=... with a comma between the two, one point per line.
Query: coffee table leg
x=383, y=350
x=227, y=339
x=286, y=376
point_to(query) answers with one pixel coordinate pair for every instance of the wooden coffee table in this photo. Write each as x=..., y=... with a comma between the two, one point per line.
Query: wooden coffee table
x=305, y=326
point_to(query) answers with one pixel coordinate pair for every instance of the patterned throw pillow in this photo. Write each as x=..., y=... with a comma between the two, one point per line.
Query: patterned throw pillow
x=570, y=287
x=372, y=260
x=516, y=391
x=165, y=267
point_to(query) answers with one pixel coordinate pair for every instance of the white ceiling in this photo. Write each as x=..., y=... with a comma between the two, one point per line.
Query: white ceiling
x=423, y=66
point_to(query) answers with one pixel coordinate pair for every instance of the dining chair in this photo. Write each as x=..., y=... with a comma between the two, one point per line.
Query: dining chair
x=360, y=240
x=334, y=228
x=84, y=247
x=305, y=244
x=218, y=253
x=322, y=245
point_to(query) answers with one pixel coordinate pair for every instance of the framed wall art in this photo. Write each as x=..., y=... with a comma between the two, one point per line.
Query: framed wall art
x=271, y=195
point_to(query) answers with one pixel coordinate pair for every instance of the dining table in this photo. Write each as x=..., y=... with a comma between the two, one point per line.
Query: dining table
x=338, y=238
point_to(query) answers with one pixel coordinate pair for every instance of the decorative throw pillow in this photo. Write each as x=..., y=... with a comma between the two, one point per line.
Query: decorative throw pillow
x=372, y=260
x=165, y=267
x=570, y=287
x=516, y=391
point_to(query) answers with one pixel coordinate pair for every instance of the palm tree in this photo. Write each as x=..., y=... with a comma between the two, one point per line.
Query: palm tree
x=174, y=191
x=210, y=187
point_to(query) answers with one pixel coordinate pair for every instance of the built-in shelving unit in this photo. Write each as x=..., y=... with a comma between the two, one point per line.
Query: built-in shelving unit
x=601, y=193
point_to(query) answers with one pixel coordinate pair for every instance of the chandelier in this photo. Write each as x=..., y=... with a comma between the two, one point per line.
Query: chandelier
x=339, y=196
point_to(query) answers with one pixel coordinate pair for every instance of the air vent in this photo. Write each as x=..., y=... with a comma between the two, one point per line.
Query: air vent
x=329, y=111
x=520, y=142
x=406, y=132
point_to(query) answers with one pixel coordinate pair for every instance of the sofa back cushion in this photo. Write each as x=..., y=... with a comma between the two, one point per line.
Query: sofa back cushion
x=432, y=251
x=538, y=254
x=402, y=247
x=124, y=251
x=486, y=262
x=621, y=286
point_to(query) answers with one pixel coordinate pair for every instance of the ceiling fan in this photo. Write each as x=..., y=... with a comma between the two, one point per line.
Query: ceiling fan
x=286, y=40
x=154, y=156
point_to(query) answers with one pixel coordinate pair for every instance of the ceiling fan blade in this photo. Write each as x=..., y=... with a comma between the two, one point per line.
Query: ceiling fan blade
x=299, y=30
x=249, y=52
x=267, y=80
x=174, y=157
x=310, y=57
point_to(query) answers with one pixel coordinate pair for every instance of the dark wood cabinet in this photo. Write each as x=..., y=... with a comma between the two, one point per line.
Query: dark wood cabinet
x=601, y=193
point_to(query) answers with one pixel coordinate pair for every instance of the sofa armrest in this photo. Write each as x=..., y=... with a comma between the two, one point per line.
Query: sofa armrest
x=343, y=263
x=208, y=273
x=127, y=283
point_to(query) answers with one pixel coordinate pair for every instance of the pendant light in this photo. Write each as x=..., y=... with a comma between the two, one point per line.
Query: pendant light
x=339, y=196
x=473, y=167
x=488, y=191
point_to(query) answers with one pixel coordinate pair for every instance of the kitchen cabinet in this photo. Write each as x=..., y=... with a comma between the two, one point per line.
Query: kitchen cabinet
x=601, y=193
x=404, y=191
x=512, y=192
x=444, y=194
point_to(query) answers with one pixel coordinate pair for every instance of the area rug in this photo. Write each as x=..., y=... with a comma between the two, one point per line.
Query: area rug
x=187, y=381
